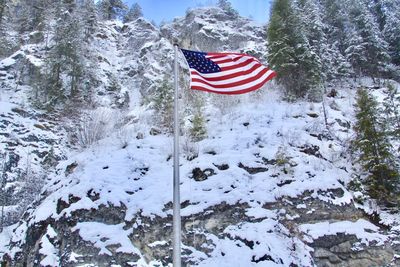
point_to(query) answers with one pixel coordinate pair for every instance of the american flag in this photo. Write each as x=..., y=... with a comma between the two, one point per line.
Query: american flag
x=226, y=73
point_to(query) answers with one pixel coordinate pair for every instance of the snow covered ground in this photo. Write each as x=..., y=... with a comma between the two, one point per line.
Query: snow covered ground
x=245, y=139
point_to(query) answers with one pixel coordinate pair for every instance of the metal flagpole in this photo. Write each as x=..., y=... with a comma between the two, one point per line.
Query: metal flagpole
x=176, y=199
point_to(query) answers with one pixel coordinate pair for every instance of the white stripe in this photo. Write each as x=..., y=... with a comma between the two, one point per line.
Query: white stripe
x=232, y=80
x=227, y=72
x=216, y=60
x=232, y=63
x=236, y=88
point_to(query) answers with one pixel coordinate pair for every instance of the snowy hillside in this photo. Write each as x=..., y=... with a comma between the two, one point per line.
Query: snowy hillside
x=268, y=186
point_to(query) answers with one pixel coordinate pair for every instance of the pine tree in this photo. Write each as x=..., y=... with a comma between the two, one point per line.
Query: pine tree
x=5, y=45
x=335, y=65
x=3, y=189
x=369, y=39
x=134, y=13
x=391, y=29
x=289, y=52
x=198, y=129
x=378, y=10
x=33, y=14
x=163, y=99
x=227, y=7
x=89, y=18
x=374, y=149
x=391, y=104
x=3, y=6
x=356, y=52
x=111, y=9
x=65, y=62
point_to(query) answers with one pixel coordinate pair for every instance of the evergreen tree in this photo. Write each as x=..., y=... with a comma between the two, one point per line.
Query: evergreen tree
x=367, y=38
x=198, y=129
x=311, y=17
x=356, y=52
x=227, y=7
x=111, y=9
x=3, y=6
x=374, y=149
x=89, y=18
x=134, y=13
x=65, y=62
x=378, y=10
x=391, y=29
x=391, y=104
x=33, y=14
x=289, y=52
x=163, y=101
x=335, y=65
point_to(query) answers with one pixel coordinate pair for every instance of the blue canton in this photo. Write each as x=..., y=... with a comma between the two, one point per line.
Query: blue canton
x=199, y=62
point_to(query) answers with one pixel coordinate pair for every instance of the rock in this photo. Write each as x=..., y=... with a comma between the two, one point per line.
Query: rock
x=332, y=93
x=154, y=131
x=253, y=170
x=312, y=150
x=269, y=161
x=70, y=168
x=334, y=106
x=21, y=112
x=222, y=167
x=312, y=115
x=344, y=247
x=344, y=124
x=325, y=254
x=201, y=175
x=139, y=136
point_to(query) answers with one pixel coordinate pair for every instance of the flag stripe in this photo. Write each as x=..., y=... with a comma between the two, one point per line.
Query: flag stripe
x=229, y=74
x=234, y=92
x=233, y=88
x=223, y=75
x=226, y=73
x=234, y=81
x=236, y=65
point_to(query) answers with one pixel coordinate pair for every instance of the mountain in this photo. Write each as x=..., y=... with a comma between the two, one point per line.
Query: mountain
x=268, y=186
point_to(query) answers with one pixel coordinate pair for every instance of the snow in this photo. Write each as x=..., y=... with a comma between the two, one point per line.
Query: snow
x=139, y=178
x=102, y=235
x=365, y=231
x=5, y=237
x=37, y=62
x=50, y=252
x=270, y=240
x=7, y=62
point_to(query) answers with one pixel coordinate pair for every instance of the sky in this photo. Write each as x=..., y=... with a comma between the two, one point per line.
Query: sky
x=167, y=10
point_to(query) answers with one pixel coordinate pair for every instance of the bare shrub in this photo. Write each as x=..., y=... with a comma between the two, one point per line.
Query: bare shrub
x=190, y=149
x=94, y=126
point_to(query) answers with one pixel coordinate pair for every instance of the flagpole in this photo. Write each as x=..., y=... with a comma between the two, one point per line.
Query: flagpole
x=176, y=199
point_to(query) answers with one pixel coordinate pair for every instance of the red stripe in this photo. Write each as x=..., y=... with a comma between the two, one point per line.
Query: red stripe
x=215, y=56
x=228, y=60
x=234, y=84
x=222, y=61
x=226, y=54
x=228, y=76
x=236, y=66
x=252, y=88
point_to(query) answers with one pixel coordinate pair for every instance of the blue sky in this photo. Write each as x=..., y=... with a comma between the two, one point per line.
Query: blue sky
x=159, y=10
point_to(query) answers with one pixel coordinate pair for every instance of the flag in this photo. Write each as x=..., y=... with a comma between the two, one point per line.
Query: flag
x=226, y=73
